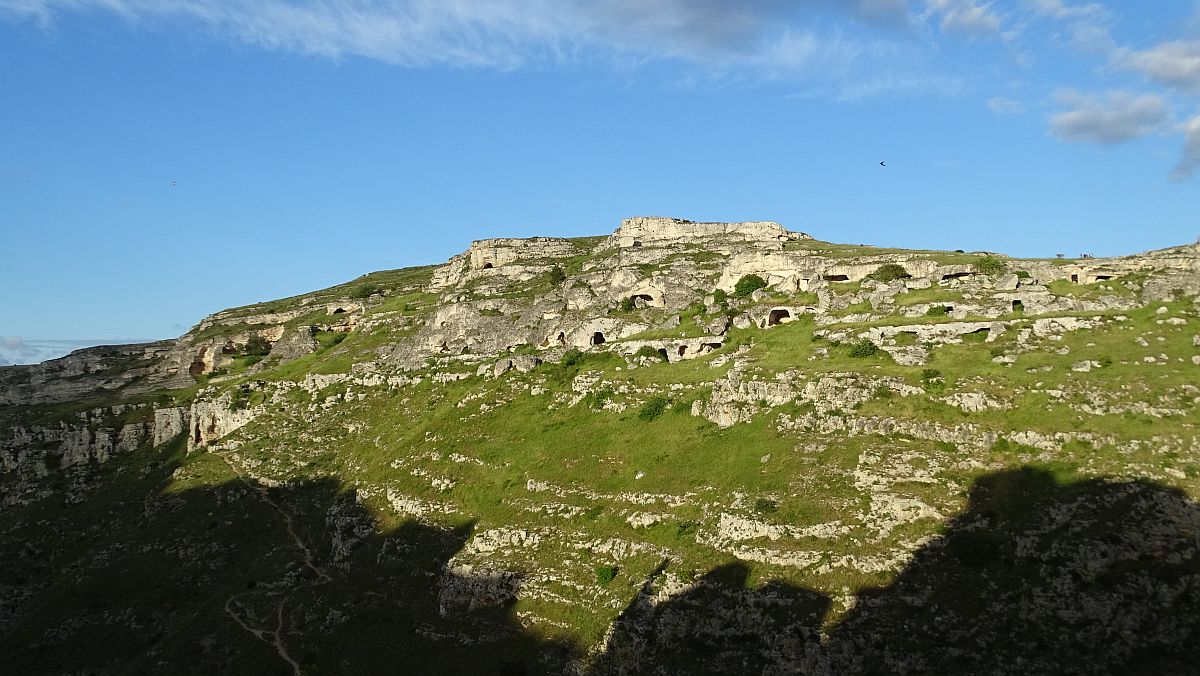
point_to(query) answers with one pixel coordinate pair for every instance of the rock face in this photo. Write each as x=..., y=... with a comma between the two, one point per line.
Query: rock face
x=170, y=423
x=211, y=419
x=30, y=454
x=130, y=369
x=659, y=231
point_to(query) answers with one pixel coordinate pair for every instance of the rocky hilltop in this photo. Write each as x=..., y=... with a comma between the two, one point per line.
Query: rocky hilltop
x=682, y=448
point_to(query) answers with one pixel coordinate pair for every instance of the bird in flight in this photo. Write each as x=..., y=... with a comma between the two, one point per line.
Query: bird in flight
x=882, y=164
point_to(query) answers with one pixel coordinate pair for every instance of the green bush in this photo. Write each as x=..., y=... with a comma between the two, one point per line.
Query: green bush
x=605, y=574
x=990, y=265
x=556, y=275
x=572, y=357
x=930, y=374
x=682, y=406
x=327, y=339
x=654, y=407
x=765, y=506
x=685, y=529
x=597, y=399
x=889, y=272
x=864, y=348
x=647, y=351
x=720, y=297
x=257, y=345
x=365, y=291
x=748, y=285
x=491, y=312
x=937, y=311
x=1022, y=274
x=627, y=305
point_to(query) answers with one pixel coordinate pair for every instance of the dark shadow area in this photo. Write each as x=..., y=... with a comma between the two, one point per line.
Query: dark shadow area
x=716, y=627
x=1090, y=577
x=137, y=580
x=1034, y=577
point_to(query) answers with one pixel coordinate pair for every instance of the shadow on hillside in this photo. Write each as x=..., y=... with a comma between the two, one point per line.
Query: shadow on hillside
x=153, y=584
x=1033, y=577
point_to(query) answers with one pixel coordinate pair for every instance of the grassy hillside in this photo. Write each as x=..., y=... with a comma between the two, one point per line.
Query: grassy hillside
x=1019, y=499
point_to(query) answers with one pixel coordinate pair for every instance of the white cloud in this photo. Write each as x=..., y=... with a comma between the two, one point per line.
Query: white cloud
x=966, y=16
x=508, y=34
x=1175, y=64
x=1005, y=106
x=1191, y=151
x=1115, y=117
x=1057, y=9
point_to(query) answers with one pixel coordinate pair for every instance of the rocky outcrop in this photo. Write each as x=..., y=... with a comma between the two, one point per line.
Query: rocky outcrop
x=106, y=369
x=211, y=419
x=659, y=231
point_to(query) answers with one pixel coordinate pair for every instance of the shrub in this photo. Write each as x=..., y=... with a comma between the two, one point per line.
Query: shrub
x=257, y=345
x=627, y=305
x=572, y=357
x=684, y=529
x=365, y=291
x=1022, y=274
x=649, y=352
x=327, y=339
x=654, y=407
x=605, y=574
x=765, y=506
x=864, y=348
x=597, y=399
x=682, y=406
x=720, y=297
x=748, y=285
x=556, y=275
x=937, y=311
x=930, y=374
x=990, y=265
x=889, y=272
x=491, y=312
x=1105, y=361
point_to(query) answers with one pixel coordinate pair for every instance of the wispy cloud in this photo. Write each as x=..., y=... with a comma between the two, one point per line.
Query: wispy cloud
x=966, y=16
x=1174, y=64
x=1005, y=106
x=1113, y=117
x=1057, y=9
x=1191, y=151
x=508, y=34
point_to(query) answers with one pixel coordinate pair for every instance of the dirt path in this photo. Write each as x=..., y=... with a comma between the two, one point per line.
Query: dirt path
x=274, y=636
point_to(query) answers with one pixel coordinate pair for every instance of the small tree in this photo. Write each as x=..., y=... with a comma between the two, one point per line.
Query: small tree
x=605, y=574
x=748, y=285
x=864, y=348
x=556, y=275
x=572, y=357
x=647, y=351
x=990, y=265
x=257, y=345
x=364, y=291
x=654, y=407
x=628, y=304
x=719, y=296
x=889, y=272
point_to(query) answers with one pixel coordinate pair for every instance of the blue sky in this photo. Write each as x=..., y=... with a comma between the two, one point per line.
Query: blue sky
x=164, y=159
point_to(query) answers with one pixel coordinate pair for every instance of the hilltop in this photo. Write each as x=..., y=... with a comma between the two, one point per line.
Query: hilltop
x=684, y=447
